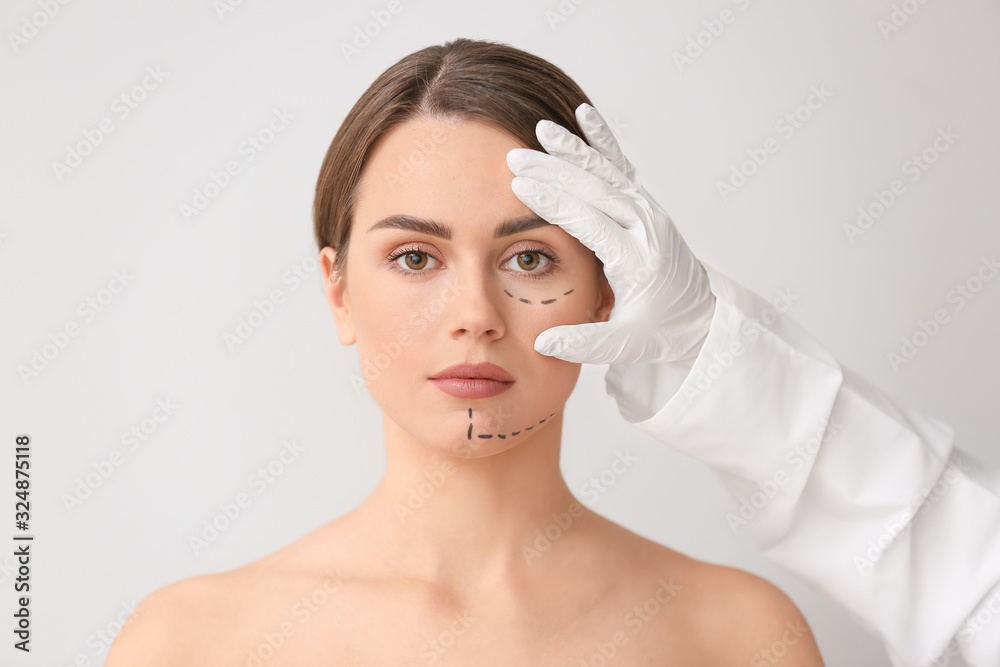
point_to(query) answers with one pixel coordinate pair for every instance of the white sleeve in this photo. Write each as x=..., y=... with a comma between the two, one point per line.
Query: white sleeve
x=864, y=499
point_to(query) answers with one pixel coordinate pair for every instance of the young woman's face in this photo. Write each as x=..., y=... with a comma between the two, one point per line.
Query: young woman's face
x=417, y=302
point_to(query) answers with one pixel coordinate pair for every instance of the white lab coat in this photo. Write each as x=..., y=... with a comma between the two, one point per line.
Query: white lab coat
x=864, y=499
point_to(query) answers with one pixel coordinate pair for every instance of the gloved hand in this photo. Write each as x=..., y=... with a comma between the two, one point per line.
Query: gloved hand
x=663, y=304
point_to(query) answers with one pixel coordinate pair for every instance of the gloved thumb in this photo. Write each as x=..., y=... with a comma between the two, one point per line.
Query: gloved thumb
x=587, y=343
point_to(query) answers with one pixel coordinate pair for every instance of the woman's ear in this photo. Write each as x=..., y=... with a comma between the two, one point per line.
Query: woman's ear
x=605, y=299
x=335, y=286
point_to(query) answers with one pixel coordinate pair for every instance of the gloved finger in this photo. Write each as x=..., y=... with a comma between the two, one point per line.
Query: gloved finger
x=562, y=143
x=599, y=136
x=610, y=242
x=624, y=207
x=586, y=343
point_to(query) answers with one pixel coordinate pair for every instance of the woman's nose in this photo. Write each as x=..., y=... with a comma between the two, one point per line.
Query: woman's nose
x=471, y=305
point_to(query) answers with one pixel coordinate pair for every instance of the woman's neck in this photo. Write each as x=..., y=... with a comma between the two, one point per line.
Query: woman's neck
x=471, y=525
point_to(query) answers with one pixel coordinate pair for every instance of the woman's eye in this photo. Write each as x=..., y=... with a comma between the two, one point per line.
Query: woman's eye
x=529, y=261
x=413, y=260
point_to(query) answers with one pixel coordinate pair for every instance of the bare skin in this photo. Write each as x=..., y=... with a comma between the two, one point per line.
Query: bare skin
x=470, y=550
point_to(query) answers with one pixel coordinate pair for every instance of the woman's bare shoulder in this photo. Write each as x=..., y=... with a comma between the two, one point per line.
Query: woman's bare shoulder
x=185, y=621
x=172, y=623
x=724, y=614
x=758, y=622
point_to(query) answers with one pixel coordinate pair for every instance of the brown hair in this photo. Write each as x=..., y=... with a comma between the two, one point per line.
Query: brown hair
x=462, y=79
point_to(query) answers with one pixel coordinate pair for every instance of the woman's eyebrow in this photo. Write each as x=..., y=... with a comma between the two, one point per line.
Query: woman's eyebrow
x=434, y=228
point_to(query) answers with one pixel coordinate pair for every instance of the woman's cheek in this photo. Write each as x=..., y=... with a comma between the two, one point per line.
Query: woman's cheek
x=388, y=340
x=548, y=302
x=554, y=293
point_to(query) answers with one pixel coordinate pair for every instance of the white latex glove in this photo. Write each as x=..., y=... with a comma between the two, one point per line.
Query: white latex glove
x=663, y=304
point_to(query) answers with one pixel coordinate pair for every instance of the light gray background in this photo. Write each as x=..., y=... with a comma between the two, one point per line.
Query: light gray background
x=162, y=336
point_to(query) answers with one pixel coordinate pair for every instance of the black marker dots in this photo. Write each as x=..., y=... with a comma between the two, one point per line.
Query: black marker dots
x=544, y=302
x=502, y=436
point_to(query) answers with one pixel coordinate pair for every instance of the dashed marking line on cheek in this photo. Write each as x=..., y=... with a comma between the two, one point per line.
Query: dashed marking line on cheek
x=544, y=302
x=502, y=436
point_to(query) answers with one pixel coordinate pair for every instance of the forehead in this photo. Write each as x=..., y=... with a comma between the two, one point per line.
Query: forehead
x=450, y=170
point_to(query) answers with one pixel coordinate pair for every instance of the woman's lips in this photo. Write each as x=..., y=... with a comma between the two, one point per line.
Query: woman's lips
x=471, y=387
